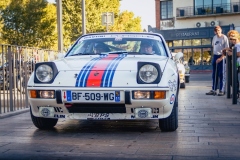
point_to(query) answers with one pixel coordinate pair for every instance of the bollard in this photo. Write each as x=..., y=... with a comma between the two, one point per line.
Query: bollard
x=234, y=76
x=229, y=74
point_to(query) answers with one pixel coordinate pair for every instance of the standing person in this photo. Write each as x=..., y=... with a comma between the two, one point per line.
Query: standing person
x=219, y=42
x=234, y=39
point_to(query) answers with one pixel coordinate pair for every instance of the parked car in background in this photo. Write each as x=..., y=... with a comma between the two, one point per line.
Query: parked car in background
x=107, y=76
x=18, y=71
x=183, y=68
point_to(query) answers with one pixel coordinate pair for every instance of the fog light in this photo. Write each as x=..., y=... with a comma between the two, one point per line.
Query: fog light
x=141, y=94
x=159, y=94
x=47, y=94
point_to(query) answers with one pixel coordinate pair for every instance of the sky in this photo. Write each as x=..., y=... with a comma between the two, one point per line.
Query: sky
x=141, y=8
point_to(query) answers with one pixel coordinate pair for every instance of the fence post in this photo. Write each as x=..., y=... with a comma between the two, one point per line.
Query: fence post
x=234, y=76
x=10, y=78
x=228, y=72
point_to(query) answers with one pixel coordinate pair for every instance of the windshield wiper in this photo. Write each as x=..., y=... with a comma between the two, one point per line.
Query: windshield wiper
x=118, y=52
x=78, y=54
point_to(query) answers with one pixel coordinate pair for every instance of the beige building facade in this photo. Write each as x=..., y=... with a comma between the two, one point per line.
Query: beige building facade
x=187, y=25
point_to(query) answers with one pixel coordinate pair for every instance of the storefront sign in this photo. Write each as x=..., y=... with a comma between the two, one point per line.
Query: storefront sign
x=187, y=34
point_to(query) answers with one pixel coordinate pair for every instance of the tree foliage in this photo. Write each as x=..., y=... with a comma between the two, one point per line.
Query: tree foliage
x=34, y=22
x=126, y=22
x=72, y=18
x=29, y=23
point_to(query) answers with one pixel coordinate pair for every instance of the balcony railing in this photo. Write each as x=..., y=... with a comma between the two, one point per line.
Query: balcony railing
x=224, y=8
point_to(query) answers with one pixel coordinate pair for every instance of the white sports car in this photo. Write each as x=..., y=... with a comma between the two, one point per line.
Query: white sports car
x=107, y=76
x=183, y=68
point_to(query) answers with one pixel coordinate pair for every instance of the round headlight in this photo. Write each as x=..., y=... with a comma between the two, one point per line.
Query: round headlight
x=148, y=73
x=44, y=73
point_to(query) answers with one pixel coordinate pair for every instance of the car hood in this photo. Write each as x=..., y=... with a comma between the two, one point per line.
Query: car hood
x=110, y=62
x=97, y=71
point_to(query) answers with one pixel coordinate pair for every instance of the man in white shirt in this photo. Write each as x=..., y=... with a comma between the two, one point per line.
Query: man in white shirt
x=219, y=42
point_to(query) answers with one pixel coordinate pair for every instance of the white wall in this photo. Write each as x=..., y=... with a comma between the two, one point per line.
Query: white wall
x=224, y=20
x=191, y=22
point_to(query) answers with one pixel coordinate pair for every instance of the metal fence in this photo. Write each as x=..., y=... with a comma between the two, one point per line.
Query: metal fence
x=16, y=66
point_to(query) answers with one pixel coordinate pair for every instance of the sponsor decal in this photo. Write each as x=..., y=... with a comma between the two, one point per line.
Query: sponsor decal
x=102, y=76
x=59, y=116
x=155, y=110
x=172, y=99
x=172, y=85
x=98, y=116
x=58, y=109
x=155, y=116
x=142, y=113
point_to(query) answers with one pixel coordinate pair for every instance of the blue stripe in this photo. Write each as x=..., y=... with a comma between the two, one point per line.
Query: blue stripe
x=81, y=79
x=113, y=71
x=105, y=74
x=108, y=75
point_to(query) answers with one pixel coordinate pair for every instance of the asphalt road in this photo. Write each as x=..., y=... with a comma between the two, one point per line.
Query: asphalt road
x=209, y=129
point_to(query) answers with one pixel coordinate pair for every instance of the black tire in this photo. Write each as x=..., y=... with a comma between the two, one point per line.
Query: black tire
x=182, y=85
x=170, y=123
x=187, y=79
x=21, y=85
x=43, y=123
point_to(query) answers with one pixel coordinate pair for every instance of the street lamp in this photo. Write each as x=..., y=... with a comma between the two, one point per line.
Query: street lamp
x=83, y=18
x=59, y=26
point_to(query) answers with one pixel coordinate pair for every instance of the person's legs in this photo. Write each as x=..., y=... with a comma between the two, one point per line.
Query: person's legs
x=222, y=77
x=214, y=70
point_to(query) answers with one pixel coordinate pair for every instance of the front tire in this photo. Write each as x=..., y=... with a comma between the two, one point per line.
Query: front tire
x=43, y=123
x=170, y=123
x=182, y=85
x=187, y=79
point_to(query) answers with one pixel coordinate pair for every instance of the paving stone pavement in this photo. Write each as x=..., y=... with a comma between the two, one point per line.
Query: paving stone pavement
x=209, y=129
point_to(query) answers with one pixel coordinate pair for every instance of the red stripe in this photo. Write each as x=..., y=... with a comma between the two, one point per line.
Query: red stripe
x=95, y=75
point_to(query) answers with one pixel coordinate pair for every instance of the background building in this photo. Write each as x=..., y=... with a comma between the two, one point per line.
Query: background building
x=187, y=26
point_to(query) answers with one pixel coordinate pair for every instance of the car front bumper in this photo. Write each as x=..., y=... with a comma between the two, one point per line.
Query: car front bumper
x=126, y=108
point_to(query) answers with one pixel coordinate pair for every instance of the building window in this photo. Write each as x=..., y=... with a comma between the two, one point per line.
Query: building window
x=196, y=42
x=177, y=43
x=206, y=41
x=211, y=6
x=166, y=9
x=187, y=42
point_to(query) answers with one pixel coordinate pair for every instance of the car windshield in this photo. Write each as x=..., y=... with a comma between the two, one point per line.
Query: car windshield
x=118, y=44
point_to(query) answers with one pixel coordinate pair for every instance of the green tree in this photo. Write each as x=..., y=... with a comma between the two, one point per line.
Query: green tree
x=72, y=18
x=3, y=4
x=29, y=23
x=126, y=22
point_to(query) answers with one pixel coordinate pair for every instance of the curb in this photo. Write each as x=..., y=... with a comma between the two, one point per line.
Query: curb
x=13, y=113
x=200, y=71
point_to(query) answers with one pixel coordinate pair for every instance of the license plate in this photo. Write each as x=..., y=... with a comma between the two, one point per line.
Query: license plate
x=91, y=96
